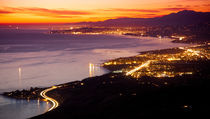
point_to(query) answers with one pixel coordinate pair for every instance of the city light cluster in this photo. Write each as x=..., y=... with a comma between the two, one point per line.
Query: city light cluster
x=171, y=63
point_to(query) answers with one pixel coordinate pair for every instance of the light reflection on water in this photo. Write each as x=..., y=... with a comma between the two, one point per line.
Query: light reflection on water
x=94, y=69
x=21, y=109
x=48, y=70
x=19, y=77
x=36, y=59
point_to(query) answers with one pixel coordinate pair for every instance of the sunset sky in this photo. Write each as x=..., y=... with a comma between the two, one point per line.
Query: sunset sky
x=63, y=11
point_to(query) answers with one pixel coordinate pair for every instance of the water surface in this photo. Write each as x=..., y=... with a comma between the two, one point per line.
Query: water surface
x=34, y=58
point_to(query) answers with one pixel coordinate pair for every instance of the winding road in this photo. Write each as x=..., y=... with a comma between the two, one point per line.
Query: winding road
x=53, y=101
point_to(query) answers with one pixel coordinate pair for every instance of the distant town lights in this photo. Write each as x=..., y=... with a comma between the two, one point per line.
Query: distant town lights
x=181, y=38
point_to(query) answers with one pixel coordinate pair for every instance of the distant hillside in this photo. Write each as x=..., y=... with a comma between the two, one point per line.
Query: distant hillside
x=185, y=17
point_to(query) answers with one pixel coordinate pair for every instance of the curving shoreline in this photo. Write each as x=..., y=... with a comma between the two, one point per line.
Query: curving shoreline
x=111, y=94
x=110, y=80
x=34, y=94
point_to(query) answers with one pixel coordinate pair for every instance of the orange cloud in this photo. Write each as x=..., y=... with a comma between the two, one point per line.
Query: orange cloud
x=131, y=10
x=206, y=5
x=46, y=15
x=156, y=11
x=174, y=9
x=44, y=12
x=143, y=13
x=5, y=12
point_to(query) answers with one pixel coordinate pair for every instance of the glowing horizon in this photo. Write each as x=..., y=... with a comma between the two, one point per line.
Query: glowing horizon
x=63, y=11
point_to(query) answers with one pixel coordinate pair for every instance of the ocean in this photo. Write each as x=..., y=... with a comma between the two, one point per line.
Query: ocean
x=31, y=57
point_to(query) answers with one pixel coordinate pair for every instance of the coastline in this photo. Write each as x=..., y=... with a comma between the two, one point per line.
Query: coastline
x=119, y=68
x=37, y=96
x=78, y=84
x=106, y=94
x=61, y=99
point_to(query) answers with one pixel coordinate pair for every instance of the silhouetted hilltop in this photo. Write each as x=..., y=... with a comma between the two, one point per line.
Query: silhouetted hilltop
x=185, y=17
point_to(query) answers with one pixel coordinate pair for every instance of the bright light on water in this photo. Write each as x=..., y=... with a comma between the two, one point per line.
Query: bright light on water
x=33, y=58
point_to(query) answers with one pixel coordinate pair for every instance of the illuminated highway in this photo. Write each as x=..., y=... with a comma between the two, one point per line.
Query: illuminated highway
x=53, y=101
x=138, y=68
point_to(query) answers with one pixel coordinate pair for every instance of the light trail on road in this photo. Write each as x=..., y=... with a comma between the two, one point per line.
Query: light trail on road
x=138, y=68
x=54, y=102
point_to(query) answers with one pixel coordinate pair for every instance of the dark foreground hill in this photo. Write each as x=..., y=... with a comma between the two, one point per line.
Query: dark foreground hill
x=116, y=96
x=122, y=98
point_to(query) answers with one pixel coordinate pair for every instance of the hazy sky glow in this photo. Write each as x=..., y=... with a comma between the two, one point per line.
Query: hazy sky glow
x=61, y=11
